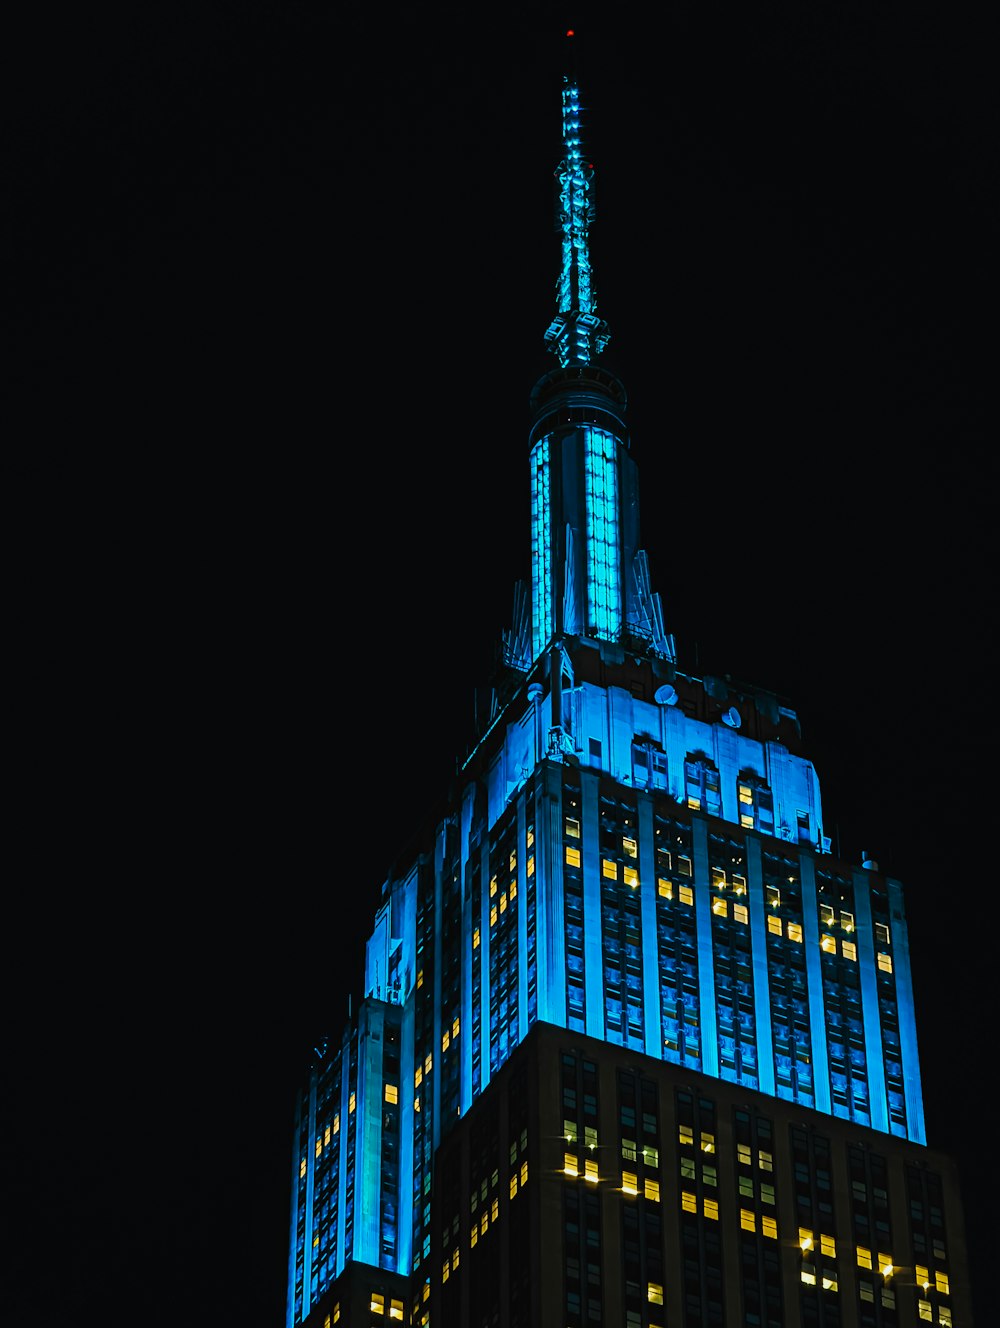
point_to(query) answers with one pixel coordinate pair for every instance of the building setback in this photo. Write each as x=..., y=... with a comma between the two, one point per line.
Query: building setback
x=623, y=992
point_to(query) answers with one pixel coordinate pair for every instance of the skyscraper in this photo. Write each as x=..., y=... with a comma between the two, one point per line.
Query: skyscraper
x=623, y=981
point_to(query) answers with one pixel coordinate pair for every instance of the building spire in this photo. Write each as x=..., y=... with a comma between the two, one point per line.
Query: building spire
x=576, y=335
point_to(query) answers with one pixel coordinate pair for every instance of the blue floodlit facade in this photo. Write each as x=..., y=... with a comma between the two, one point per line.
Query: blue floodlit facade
x=631, y=852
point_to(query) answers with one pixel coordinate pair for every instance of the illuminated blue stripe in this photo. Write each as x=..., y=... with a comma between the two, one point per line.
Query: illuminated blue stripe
x=604, y=614
x=905, y=1014
x=874, y=1053
x=814, y=984
x=541, y=549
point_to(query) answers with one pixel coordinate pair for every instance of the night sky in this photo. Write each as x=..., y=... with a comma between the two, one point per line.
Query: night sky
x=280, y=279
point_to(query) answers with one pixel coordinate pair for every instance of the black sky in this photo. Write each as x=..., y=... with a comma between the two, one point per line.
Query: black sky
x=280, y=279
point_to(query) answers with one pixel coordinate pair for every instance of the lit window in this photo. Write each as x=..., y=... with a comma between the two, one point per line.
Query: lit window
x=570, y=1165
x=629, y=846
x=739, y=884
x=808, y=1274
x=941, y=1283
x=720, y=907
x=826, y=915
x=654, y=1293
x=708, y=1175
x=774, y=924
x=629, y=1152
x=493, y=886
x=428, y=1063
x=336, y=1312
x=631, y=877
x=378, y=1301
x=665, y=888
x=864, y=1257
x=652, y=1191
x=795, y=932
x=711, y=1209
x=944, y=1316
x=416, y=1103
x=847, y=921
x=685, y=1134
x=773, y=896
x=590, y=1136
x=524, y=1174
x=572, y=827
x=418, y=1077
x=743, y=1155
x=924, y=1311
x=748, y=1220
x=513, y=862
x=688, y=1202
x=740, y=913
x=686, y=894
x=746, y=820
x=455, y=1027
x=746, y=1187
x=694, y=804
x=651, y=1156
x=609, y=869
x=319, y=1144
x=420, y=977
x=830, y=1282
x=391, y=1093
x=885, y=1265
x=484, y=1224
x=530, y=868
x=805, y=1238
x=827, y=943
x=352, y=1103
x=572, y=856
x=766, y=1193
x=707, y=1142
x=494, y=1210
x=885, y=963
x=475, y=938
x=326, y=1321
x=326, y=1136
x=590, y=1170
x=828, y=1246
x=718, y=878
x=745, y=793
x=503, y=902
x=531, y=835
x=769, y=1227
x=445, y=1040
x=336, y=1123
x=493, y=915
x=687, y=1168
x=396, y=1309
x=302, y=1169
x=922, y=1276
x=569, y=1130
x=850, y=950
x=513, y=1185
x=629, y=1183
x=446, y=1271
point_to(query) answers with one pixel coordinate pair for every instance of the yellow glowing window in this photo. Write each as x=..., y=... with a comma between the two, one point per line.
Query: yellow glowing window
x=654, y=1293
x=572, y=827
x=630, y=1183
x=795, y=932
x=651, y=1190
x=743, y=1154
x=688, y=1202
x=745, y=792
x=631, y=877
x=484, y=1224
x=454, y=1258
x=326, y=1136
x=773, y=896
x=864, y=1257
x=512, y=862
x=630, y=847
x=748, y=1219
x=826, y=915
x=336, y=1123
x=530, y=868
x=302, y=1168
x=609, y=869
x=474, y=1237
x=921, y=1274
x=418, y=1077
x=686, y=894
x=336, y=1312
x=493, y=886
x=746, y=820
x=570, y=1131
x=326, y=1321
x=685, y=1134
x=531, y=835
x=739, y=884
x=850, y=950
x=765, y=1161
x=740, y=913
x=524, y=1174
x=428, y=1063
x=924, y=1311
x=378, y=1302
x=769, y=1227
x=941, y=1283
x=352, y=1103
x=513, y=1185
x=420, y=977
x=774, y=924
x=590, y=1136
x=475, y=938
x=827, y=943
x=828, y=1246
x=718, y=878
x=503, y=902
x=847, y=921
x=493, y=915
x=416, y=1103
x=711, y=1208
x=494, y=1210
x=694, y=804
x=683, y=864
x=944, y=1316
x=808, y=1275
x=885, y=963
x=513, y=889
x=707, y=1142
x=315, y=1241
x=445, y=1040
x=885, y=1265
x=391, y=1093
x=829, y=1283
x=720, y=907
x=396, y=1309
x=319, y=1145
x=805, y=1238
x=570, y=1164
x=572, y=856
x=446, y=1271
x=665, y=888
x=425, y=1295
x=455, y=1026
x=651, y=1155
x=590, y=1170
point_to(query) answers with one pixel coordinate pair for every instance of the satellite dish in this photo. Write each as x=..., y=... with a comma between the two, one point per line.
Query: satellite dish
x=665, y=695
x=732, y=718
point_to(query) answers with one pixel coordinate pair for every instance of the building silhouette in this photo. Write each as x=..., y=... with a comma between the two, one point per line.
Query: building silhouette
x=635, y=1047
